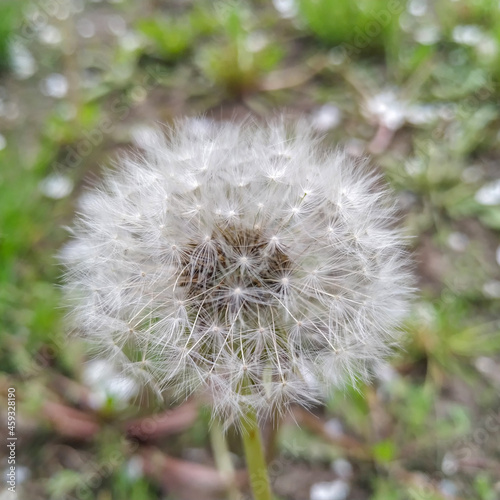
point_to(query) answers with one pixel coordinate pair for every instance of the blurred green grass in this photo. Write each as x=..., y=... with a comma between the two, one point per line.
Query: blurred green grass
x=10, y=17
x=425, y=81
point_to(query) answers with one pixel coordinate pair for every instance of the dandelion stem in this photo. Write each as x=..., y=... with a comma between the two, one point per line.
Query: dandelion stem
x=222, y=458
x=255, y=457
x=271, y=444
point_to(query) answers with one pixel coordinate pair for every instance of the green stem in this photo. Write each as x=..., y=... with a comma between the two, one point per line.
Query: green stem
x=271, y=446
x=255, y=457
x=222, y=458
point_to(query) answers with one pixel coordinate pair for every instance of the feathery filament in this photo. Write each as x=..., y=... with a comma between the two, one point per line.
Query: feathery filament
x=242, y=260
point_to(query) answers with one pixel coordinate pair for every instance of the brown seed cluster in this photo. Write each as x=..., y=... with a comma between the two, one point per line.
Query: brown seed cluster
x=235, y=259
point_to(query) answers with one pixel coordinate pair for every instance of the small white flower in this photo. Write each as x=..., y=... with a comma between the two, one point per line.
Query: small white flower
x=335, y=490
x=240, y=260
x=326, y=118
x=342, y=468
x=388, y=108
x=105, y=382
x=55, y=85
x=23, y=62
x=489, y=194
x=56, y=186
x=468, y=34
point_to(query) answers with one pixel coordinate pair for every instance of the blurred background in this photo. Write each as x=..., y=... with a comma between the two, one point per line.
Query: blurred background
x=414, y=83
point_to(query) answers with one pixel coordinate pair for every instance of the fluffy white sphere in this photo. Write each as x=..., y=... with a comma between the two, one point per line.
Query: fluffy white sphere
x=242, y=260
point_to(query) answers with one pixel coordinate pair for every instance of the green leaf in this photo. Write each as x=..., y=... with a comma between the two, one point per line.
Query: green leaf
x=384, y=451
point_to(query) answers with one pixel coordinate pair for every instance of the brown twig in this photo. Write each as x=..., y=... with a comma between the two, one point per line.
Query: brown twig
x=169, y=422
x=295, y=76
x=186, y=479
x=70, y=422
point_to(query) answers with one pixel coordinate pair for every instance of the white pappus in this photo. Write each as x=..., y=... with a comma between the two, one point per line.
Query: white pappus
x=243, y=260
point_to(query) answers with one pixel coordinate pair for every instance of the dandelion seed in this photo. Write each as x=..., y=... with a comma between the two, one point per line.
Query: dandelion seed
x=241, y=261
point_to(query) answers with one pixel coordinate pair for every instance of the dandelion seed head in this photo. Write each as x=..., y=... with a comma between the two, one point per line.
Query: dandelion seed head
x=240, y=260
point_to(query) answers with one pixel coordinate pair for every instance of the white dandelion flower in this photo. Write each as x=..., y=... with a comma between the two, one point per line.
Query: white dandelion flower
x=245, y=261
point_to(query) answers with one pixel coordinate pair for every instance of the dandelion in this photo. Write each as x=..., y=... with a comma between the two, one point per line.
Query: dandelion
x=243, y=261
